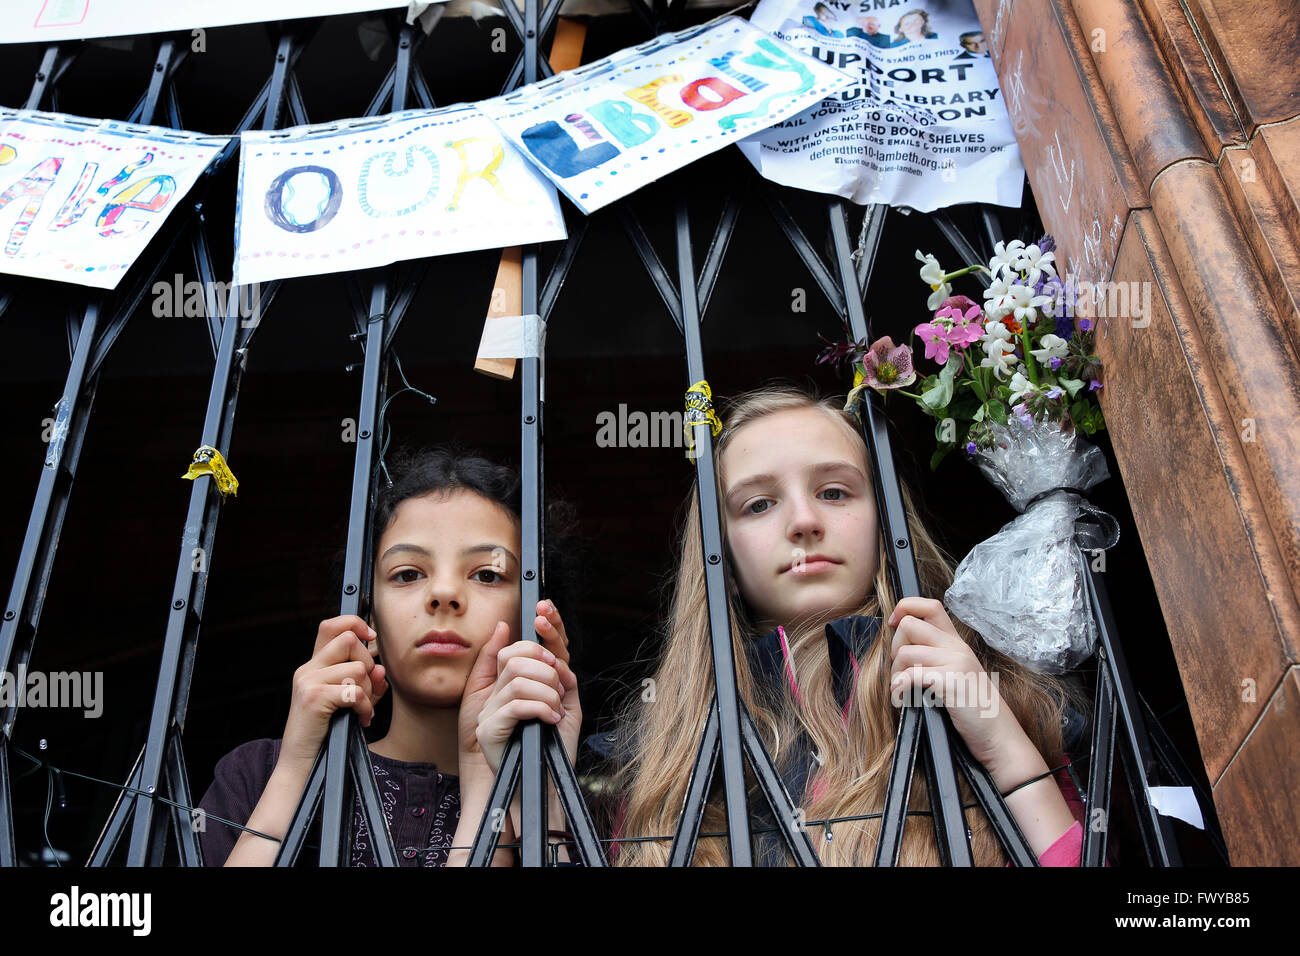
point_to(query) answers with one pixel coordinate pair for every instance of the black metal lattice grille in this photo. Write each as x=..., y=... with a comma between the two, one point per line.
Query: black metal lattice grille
x=380, y=298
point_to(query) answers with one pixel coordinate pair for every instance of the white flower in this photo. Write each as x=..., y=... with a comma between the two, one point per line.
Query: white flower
x=937, y=296
x=1020, y=299
x=1050, y=347
x=1037, y=262
x=996, y=295
x=1000, y=357
x=999, y=348
x=932, y=275
x=1006, y=256
x=1019, y=387
x=931, y=271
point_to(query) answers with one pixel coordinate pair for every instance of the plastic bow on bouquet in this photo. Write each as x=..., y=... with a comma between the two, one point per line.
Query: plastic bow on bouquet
x=1011, y=392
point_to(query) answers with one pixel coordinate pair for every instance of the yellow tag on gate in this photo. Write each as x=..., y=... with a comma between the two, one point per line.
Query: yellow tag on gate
x=208, y=461
x=699, y=409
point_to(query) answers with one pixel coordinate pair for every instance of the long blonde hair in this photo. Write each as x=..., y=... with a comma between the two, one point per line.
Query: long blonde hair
x=661, y=735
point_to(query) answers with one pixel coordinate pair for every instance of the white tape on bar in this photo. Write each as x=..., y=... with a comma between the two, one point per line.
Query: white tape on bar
x=512, y=336
x=1179, y=803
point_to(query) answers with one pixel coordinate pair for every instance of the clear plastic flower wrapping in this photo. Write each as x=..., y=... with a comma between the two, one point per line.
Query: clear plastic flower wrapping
x=1023, y=589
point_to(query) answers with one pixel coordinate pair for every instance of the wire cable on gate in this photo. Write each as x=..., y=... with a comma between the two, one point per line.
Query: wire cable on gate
x=826, y=823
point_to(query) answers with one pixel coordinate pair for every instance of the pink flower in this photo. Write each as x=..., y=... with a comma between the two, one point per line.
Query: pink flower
x=935, y=336
x=887, y=365
x=966, y=319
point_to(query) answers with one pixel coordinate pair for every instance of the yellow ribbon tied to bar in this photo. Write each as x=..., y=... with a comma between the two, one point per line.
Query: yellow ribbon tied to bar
x=699, y=409
x=208, y=461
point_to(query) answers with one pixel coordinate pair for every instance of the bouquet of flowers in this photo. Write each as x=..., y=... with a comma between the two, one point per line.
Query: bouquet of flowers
x=1017, y=384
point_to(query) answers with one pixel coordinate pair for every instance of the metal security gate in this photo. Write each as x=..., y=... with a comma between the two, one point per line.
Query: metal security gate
x=154, y=804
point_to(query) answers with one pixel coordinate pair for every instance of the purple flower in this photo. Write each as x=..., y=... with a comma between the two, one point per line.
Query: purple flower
x=1054, y=393
x=1085, y=325
x=1064, y=326
x=1047, y=243
x=1055, y=363
x=1022, y=413
x=971, y=447
x=1095, y=385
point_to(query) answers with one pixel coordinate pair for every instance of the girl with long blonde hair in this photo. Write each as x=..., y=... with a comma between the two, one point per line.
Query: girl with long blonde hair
x=826, y=654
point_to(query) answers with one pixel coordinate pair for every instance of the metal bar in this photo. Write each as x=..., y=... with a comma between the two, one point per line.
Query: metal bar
x=899, y=788
x=873, y=230
x=718, y=247
x=995, y=808
x=1101, y=767
x=533, y=789
x=1174, y=765
x=178, y=785
x=560, y=269
x=36, y=560
x=190, y=576
x=165, y=65
x=1158, y=835
x=945, y=798
x=575, y=807
x=171, y=693
x=992, y=229
x=788, y=821
x=697, y=790
x=300, y=823
x=492, y=822
x=965, y=249
x=654, y=268
x=803, y=248
x=372, y=809
x=336, y=818
x=116, y=823
x=724, y=665
x=54, y=63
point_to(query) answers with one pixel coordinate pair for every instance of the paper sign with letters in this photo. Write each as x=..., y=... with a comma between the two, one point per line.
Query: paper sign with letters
x=924, y=126
x=604, y=130
x=50, y=21
x=81, y=198
x=368, y=192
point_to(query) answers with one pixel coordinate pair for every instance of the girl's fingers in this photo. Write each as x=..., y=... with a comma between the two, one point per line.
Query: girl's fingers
x=333, y=627
x=527, y=688
x=550, y=625
x=910, y=686
x=911, y=629
x=922, y=654
x=485, y=669
x=529, y=649
x=925, y=609
x=568, y=679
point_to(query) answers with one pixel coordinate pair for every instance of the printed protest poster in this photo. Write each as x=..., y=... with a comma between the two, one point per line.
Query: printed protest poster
x=81, y=198
x=52, y=21
x=369, y=192
x=604, y=130
x=925, y=126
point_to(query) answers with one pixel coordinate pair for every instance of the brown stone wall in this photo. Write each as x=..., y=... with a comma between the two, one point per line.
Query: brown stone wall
x=1162, y=141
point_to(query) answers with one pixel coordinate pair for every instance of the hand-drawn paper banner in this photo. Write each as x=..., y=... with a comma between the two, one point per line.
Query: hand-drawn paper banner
x=81, y=198
x=925, y=125
x=368, y=192
x=49, y=21
x=606, y=129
